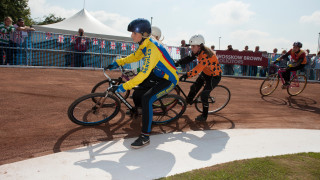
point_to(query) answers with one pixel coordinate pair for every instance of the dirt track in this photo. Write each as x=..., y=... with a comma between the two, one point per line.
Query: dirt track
x=34, y=102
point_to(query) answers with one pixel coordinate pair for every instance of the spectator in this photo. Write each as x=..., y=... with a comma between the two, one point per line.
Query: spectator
x=244, y=68
x=80, y=47
x=6, y=29
x=184, y=51
x=307, y=67
x=284, y=62
x=228, y=68
x=17, y=39
x=316, y=66
x=253, y=70
x=212, y=48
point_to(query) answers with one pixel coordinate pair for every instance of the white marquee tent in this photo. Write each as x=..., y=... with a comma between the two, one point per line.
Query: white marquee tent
x=83, y=19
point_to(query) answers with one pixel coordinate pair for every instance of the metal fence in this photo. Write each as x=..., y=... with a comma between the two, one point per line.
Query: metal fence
x=61, y=50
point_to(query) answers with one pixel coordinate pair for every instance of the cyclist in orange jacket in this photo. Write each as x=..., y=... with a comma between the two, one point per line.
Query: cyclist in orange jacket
x=209, y=68
x=299, y=57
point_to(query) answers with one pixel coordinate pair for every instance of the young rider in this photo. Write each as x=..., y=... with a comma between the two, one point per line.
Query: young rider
x=209, y=68
x=156, y=59
x=299, y=57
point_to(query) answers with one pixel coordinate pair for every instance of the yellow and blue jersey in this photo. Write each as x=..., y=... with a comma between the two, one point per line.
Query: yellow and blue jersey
x=157, y=59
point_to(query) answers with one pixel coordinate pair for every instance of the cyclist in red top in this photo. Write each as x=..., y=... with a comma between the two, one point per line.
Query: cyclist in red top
x=299, y=57
x=208, y=68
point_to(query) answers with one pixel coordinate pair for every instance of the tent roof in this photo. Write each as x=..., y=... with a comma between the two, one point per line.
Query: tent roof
x=91, y=26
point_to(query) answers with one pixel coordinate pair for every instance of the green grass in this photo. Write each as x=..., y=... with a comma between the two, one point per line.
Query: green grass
x=293, y=166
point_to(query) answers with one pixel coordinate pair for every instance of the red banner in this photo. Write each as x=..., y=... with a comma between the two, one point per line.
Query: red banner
x=242, y=58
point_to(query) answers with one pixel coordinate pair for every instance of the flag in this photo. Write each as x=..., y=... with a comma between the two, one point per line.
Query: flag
x=178, y=51
x=61, y=39
x=133, y=47
x=83, y=41
x=73, y=39
x=48, y=36
x=102, y=44
x=123, y=46
x=113, y=45
x=95, y=41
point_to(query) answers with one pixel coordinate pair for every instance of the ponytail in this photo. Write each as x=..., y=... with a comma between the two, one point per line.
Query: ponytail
x=206, y=50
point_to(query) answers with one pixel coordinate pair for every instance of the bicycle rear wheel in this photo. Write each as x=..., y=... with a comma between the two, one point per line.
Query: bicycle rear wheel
x=84, y=111
x=102, y=86
x=218, y=99
x=168, y=108
x=297, y=84
x=269, y=85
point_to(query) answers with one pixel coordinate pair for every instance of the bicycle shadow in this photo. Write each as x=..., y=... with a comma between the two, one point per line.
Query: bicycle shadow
x=157, y=159
x=274, y=100
x=303, y=104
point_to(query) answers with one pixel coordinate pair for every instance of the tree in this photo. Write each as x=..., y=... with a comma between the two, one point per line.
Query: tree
x=50, y=19
x=15, y=9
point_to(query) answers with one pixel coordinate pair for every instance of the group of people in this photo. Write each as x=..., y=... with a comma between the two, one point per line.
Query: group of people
x=11, y=39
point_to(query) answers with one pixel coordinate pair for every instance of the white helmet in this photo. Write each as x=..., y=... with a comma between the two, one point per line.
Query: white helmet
x=156, y=32
x=196, y=40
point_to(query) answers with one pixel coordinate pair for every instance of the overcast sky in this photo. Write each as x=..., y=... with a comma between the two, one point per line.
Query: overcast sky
x=266, y=23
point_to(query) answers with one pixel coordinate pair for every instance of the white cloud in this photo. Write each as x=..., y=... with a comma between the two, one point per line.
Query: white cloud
x=113, y=20
x=314, y=18
x=254, y=38
x=231, y=12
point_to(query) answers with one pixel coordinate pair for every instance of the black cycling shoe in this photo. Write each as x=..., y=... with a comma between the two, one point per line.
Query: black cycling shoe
x=201, y=118
x=141, y=142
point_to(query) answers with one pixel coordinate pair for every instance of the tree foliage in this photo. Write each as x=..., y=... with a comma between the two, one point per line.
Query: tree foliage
x=50, y=19
x=15, y=9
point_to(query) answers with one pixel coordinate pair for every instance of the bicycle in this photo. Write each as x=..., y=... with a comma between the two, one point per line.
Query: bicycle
x=297, y=83
x=97, y=108
x=218, y=99
x=125, y=76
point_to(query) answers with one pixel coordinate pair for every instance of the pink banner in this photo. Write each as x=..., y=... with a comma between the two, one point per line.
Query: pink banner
x=242, y=58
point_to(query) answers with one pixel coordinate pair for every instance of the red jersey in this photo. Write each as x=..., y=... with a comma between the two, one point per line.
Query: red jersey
x=296, y=56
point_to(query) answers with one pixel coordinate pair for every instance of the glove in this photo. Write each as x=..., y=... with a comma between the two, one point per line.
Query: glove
x=113, y=65
x=183, y=77
x=120, y=89
x=290, y=65
x=177, y=63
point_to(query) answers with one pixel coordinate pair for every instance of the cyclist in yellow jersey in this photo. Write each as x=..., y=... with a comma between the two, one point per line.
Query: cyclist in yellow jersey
x=157, y=64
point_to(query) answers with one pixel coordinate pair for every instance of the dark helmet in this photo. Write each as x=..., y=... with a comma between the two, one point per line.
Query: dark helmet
x=140, y=25
x=299, y=44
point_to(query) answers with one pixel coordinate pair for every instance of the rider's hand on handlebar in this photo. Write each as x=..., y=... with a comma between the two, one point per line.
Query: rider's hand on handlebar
x=113, y=65
x=118, y=89
x=183, y=77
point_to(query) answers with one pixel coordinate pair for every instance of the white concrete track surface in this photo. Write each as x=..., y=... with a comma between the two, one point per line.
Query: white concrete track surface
x=167, y=154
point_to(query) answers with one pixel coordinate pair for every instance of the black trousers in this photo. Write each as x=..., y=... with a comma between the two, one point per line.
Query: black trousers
x=286, y=74
x=143, y=96
x=211, y=83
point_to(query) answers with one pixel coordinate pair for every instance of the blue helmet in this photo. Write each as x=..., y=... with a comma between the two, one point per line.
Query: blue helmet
x=299, y=44
x=140, y=25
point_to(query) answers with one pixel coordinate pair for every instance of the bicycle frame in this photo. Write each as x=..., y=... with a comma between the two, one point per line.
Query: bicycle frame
x=293, y=75
x=185, y=96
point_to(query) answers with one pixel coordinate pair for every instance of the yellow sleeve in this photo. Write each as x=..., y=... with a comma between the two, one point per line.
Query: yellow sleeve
x=151, y=60
x=134, y=57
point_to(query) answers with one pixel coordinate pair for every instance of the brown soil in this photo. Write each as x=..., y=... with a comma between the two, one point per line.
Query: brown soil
x=34, y=103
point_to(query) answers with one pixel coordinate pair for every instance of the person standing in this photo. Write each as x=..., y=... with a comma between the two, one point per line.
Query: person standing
x=316, y=65
x=17, y=39
x=184, y=51
x=81, y=46
x=6, y=29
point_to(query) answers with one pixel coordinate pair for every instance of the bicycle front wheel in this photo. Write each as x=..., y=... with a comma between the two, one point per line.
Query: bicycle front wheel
x=168, y=108
x=297, y=84
x=269, y=85
x=218, y=99
x=102, y=86
x=84, y=111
